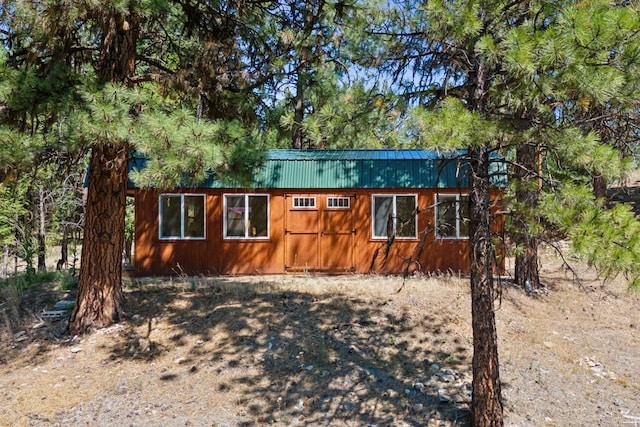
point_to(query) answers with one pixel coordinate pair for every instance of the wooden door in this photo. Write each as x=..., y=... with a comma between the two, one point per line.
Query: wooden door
x=336, y=236
x=301, y=233
x=319, y=233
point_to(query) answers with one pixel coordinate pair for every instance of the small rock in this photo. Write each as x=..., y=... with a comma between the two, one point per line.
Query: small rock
x=435, y=367
x=443, y=395
x=180, y=360
x=433, y=381
x=19, y=334
x=418, y=386
x=64, y=305
x=548, y=344
x=597, y=368
x=76, y=350
x=448, y=378
x=392, y=394
x=309, y=367
x=136, y=317
x=142, y=344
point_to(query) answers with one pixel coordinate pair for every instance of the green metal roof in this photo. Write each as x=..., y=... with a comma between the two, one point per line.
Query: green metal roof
x=383, y=168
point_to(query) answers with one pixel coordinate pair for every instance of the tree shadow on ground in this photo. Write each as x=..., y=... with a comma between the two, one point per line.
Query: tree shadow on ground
x=293, y=356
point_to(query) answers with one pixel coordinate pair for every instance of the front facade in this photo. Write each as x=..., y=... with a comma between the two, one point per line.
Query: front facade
x=334, y=211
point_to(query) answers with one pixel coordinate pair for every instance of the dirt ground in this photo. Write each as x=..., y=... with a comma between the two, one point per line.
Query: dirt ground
x=324, y=350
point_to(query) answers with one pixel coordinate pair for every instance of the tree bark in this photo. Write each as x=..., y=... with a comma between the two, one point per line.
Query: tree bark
x=486, y=402
x=599, y=187
x=527, y=274
x=42, y=246
x=99, y=299
x=306, y=59
x=128, y=246
x=298, y=112
x=64, y=249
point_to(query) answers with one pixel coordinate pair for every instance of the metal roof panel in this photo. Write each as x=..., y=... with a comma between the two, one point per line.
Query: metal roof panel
x=368, y=168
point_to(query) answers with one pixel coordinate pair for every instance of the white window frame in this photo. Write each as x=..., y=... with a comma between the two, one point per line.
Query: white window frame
x=297, y=199
x=337, y=199
x=459, y=219
x=246, y=216
x=394, y=215
x=182, y=219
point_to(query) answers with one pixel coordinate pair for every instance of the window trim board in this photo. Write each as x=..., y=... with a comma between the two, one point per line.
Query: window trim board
x=245, y=217
x=394, y=196
x=182, y=235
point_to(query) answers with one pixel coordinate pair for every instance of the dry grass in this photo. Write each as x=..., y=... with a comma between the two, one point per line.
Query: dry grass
x=323, y=350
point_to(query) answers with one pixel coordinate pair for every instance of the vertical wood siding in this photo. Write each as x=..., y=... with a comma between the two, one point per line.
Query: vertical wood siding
x=315, y=239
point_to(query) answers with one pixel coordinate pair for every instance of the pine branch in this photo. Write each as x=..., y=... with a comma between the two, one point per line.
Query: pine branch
x=151, y=77
x=565, y=263
x=155, y=63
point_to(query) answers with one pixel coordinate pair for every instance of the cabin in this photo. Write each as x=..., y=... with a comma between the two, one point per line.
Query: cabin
x=380, y=211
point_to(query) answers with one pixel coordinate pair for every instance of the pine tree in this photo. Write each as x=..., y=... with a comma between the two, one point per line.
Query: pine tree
x=510, y=77
x=311, y=40
x=115, y=75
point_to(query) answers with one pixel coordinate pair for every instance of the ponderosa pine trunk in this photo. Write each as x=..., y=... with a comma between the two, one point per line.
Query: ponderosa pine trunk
x=303, y=75
x=599, y=184
x=42, y=232
x=527, y=274
x=99, y=299
x=298, y=113
x=486, y=404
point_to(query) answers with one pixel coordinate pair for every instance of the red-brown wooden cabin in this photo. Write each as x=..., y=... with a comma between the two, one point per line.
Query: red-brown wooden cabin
x=363, y=211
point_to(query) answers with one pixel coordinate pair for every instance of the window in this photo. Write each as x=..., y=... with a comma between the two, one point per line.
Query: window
x=394, y=215
x=304, y=202
x=338, y=202
x=452, y=216
x=246, y=216
x=182, y=216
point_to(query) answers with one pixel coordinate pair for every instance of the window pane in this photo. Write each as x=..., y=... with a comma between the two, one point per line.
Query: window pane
x=304, y=202
x=170, y=225
x=446, y=216
x=405, y=216
x=464, y=216
x=235, y=216
x=258, y=216
x=338, y=202
x=382, y=216
x=194, y=216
